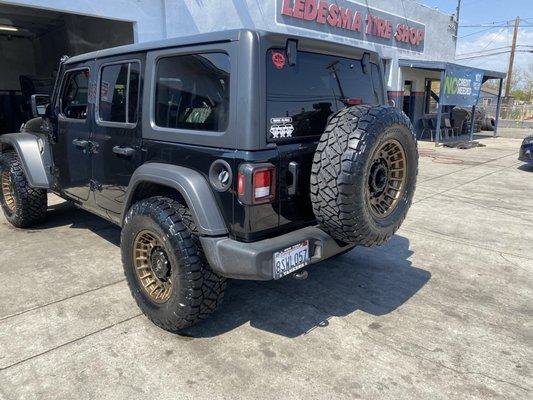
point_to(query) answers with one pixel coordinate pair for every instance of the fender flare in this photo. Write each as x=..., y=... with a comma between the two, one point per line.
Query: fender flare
x=191, y=185
x=32, y=151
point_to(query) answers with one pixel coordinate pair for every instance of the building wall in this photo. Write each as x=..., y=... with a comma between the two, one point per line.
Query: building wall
x=202, y=16
x=156, y=19
x=147, y=15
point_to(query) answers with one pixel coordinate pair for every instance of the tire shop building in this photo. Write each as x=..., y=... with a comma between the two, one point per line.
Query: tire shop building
x=416, y=42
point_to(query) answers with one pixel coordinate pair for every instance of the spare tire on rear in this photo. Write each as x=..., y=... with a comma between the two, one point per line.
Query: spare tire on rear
x=364, y=174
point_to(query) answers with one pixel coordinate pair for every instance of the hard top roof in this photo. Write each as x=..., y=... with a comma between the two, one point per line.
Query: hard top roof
x=203, y=38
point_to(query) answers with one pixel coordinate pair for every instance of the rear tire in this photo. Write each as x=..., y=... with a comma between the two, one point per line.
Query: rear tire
x=159, y=243
x=23, y=205
x=364, y=174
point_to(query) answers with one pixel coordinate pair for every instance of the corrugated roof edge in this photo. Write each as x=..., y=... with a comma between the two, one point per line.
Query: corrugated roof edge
x=441, y=65
x=198, y=39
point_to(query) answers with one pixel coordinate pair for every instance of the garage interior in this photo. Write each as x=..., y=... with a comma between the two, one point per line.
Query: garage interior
x=31, y=43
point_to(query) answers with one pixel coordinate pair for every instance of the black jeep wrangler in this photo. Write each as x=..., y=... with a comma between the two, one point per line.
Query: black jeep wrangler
x=240, y=154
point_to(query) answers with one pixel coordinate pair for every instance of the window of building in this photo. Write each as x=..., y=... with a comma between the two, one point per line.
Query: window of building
x=75, y=94
x=119, y=93
x=192, y=92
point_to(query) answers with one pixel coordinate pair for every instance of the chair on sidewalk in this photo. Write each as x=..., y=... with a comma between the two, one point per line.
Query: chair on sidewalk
x=444, y=134
x=448, y=127
x=426, y=128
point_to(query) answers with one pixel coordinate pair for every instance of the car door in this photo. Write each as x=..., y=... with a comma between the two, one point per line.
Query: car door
x=117, y=135
x=72, y=150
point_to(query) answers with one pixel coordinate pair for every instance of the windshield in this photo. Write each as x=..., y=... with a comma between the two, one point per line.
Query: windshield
x=300, y=98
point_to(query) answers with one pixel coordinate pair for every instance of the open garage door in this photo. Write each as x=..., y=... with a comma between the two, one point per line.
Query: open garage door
x=31, y=43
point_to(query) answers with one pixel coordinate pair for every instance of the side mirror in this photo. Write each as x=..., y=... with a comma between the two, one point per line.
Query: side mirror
x=39, y=104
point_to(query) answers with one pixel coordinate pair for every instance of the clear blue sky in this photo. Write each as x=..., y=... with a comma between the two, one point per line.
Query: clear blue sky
x=475, y=12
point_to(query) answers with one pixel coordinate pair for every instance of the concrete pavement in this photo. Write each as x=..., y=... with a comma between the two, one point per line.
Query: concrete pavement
x=444, y=310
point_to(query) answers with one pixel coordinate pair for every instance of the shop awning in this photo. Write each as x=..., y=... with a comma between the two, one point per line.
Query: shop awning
x=443, y=65
x=460, y=85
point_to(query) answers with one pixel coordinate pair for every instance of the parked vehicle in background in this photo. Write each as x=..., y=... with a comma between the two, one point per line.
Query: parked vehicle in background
x=239, y=154
x=526, y=150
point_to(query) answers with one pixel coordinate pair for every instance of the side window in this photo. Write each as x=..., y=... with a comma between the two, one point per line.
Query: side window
x=75, y=94
x=119, y=93
x=192, y=92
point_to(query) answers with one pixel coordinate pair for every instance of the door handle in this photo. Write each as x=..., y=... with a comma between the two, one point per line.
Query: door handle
x=80, y=143
x=123, y=151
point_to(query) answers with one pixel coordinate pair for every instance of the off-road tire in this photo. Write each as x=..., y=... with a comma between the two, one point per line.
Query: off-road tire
x=340, y=173
x=28, y=204
x=197, y=291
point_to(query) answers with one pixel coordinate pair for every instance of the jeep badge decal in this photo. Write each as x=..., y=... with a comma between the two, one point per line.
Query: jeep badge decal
x=278, y=59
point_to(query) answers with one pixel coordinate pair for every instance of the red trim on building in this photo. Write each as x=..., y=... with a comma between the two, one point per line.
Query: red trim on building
x=418, y=93
x=393, y=93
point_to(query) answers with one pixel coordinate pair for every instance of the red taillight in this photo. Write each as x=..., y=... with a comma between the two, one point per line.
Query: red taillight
x=256, y=183
x=262, y=184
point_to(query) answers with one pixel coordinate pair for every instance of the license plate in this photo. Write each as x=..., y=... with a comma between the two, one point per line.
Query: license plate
x=291, y=259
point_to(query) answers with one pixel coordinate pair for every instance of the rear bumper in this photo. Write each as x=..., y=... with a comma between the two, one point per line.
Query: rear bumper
x=254, y=261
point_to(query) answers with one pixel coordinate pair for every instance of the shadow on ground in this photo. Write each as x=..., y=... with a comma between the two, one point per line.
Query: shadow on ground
x=375, y=281
x=66, y=214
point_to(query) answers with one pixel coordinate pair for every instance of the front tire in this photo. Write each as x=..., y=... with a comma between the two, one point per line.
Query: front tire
x=165, y=267
x=23, y=205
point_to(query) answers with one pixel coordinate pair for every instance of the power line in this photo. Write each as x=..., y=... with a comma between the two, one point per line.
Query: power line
x=484, y=24
x=493, y=27
x=493, y=23
x=475, y=33
x=488, y=25
x=492, y=49
x=493, y=39
x=494, y=54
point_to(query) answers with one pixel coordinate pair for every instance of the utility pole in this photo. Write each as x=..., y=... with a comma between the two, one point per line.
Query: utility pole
x=458, y=12
x=511, y=59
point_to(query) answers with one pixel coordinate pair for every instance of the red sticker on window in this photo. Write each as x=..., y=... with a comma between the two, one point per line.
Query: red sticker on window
x=278, y=59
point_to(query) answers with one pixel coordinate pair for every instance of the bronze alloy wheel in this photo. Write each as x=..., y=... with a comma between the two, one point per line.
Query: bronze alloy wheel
x=152, y=266
x=386, y=180
x=7, y=191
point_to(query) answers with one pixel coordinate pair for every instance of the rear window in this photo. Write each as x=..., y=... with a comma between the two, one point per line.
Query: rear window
x=300, y=98
x=192, y=92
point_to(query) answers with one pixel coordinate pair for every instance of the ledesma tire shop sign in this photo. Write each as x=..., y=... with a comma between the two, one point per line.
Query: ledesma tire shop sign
x=353, y=20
